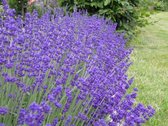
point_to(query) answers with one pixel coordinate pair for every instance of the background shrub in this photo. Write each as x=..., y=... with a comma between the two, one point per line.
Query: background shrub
x=165, y=2
x=19, y=5
x=65, y=70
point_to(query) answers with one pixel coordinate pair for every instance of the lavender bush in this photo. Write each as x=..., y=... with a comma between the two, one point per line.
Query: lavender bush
x=65, y=70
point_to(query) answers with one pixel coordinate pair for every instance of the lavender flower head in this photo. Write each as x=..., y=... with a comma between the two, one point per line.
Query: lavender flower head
x=3, y=110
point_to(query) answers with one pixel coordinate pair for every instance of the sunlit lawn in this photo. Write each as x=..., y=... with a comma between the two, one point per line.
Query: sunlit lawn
x=150, y=67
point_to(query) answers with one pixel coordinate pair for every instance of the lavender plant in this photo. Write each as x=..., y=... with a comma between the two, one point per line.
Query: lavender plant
x=65, y=70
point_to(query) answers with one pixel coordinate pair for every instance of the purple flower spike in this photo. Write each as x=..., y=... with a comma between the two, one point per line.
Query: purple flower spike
x=3, y=110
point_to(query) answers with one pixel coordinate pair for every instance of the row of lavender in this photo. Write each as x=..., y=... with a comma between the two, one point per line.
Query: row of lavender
x=65, y=70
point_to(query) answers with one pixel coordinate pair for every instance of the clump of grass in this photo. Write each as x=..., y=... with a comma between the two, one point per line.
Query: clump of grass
x=150, y=67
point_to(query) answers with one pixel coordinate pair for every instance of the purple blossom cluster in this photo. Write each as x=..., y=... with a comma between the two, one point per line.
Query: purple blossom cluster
x=65, y=69
x=3, y=110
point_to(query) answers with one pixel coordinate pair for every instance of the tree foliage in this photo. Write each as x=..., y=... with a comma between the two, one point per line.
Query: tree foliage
x=19, y=5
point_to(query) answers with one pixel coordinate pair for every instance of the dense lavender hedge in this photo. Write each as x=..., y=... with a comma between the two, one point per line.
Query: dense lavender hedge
x=65, y=70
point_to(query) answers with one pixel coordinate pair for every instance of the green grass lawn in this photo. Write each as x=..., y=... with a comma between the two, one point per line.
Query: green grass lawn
x=150, y=67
